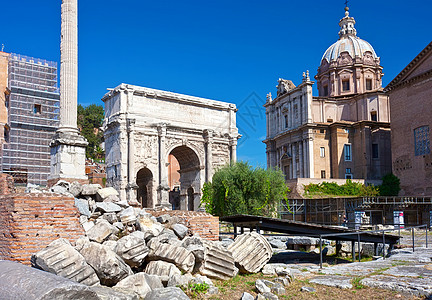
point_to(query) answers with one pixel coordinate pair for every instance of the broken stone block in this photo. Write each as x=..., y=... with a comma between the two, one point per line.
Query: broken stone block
x=104, y=193
x=163, y=269
x=101, y=231
x=199, y=279
x=167, y=293
x=261, y=286
x=108, y=207
x=62, y=259
x=251, y=252
x=180, y=230
x=278, y=289
x=140, y=283
x=112, y=198
x=88, y=225
x=75, y=188
x=284, y=281
x=267, y=296
x=163, y=219
x=218, y=262
x=110, y=244
x=83, y=207
x=247, y=296
x=148, y=226
x=132, y=250
x=226, y=242
x=128, y=216
x=106, y=293
x=18, y=281
x=110, y=217
x=180, y=280
x=182, y=258
x=109, y=267
x=90, y=189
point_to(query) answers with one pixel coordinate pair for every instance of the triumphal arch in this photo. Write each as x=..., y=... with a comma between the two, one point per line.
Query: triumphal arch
x=161, y=146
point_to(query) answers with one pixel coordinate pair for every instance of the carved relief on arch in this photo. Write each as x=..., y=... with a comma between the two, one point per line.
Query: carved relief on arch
x=344, y=59
x=368, y=58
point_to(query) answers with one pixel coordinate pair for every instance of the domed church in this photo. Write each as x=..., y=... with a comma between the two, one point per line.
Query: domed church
x=344, y=132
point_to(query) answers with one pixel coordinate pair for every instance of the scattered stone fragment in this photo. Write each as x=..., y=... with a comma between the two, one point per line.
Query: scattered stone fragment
x=163, y=269
x=261, y=286
x=112, y=198
x=251, y=252
x=104, y=193
x=123, y=203
x=226, y=242
x=132, y=250
x=106, y=293
x=90, y=189
x=212, y=290
x=278, y=244
x=107, y=207
x=284, y=281
x=267, y=296
x=163, y=218
x=140, y=283
x=83, y=207
x=180, y=280
x=278, y=289
x=18, y=281
x=415, y=286
x=87, y=226
x=75, y=188
x=110, y=217
x=109, y=267
x=62, y=259
x=308, y=289
x=101, y=231
x=281, y=271
x=270, y=269
x=199, y=279
x=172, y=293
x=182, y=258
x=247, y=296
x=180, y=230
x=119, y=225
x=149, y=227
x=110, y=244
x=336, y=281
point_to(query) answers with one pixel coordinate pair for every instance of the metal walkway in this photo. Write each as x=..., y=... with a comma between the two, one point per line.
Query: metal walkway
x=290, y=227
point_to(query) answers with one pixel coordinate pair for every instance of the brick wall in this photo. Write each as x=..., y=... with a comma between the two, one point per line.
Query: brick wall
x=202, y=223
x=6, y=184
x=29, y=222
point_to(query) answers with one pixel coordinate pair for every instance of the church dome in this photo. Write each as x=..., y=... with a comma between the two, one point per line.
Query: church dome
x=348, y=41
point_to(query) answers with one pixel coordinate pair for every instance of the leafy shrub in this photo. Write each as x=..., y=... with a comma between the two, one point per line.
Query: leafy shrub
x=390, y=185
x=350, y=188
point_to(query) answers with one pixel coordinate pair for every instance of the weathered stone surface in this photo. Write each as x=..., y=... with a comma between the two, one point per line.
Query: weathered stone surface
x=226, y=242
x=90, y=189
x=182, y=258
x=21, y=282
x=75, y=188
x=106, y=293
x=414, y=286
x=218, y=262
x=140, y=283
x=308, y=289
x=149, y=227
x=110, y=217
x=128, y=216
x=163, y=218
x=172, y=293
x=110, y=244
x=109, y=267
x=196, y=245
x=132, y=250
x=163, y=269
x=87, y=225
x=113, y=198
x=261, y=286
x=100, y=232
x=251, y=252
x=336, y=281
x=267, y=296
x=62, y=259
x=180, y=280
x=278, y=244
x=199, y=279
x=104, y=193
x=278, y=289
x=284, y=281
x=83, y=207
x=247, y=296
x=180, y=230
x=302, y=241
x=107, y=207
x=270, y=269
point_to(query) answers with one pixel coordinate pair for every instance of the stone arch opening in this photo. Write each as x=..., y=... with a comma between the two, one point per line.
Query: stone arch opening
x=186, y=195
x=144, y=180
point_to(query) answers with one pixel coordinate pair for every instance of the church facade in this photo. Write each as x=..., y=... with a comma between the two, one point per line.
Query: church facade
x=344, y=132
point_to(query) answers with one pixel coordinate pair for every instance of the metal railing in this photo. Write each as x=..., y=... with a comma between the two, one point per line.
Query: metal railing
x=359, y=233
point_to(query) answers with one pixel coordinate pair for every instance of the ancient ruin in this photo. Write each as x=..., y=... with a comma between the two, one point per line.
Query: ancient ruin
x=151, y=136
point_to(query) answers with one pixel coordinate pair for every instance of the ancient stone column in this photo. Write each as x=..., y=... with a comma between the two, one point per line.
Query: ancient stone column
x=209, y=155
x=67, y=145
x=163, y=188
x=132, y=187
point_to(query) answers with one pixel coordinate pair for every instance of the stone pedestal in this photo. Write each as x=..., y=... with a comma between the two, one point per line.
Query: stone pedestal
x=68, y=157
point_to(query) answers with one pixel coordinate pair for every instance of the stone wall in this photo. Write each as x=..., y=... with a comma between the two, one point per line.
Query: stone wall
x=29, y=222
x=6, y=184
x=202, y=223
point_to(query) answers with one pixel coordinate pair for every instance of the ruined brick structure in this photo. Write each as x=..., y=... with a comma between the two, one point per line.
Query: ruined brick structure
x=29, y=222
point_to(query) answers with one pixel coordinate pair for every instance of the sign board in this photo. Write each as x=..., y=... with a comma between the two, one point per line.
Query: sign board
x=358, y=219
x=398, y=219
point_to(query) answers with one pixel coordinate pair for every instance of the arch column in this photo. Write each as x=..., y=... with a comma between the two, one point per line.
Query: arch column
x=131, y=188
x=163, y=188
x=209, y=155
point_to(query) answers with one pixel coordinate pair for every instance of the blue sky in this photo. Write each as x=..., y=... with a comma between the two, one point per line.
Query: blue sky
x=225, y=50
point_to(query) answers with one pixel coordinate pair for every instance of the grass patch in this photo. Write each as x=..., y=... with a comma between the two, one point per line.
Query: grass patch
x=356, y=283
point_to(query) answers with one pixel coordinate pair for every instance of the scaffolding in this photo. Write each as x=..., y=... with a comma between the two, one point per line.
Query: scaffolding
x=33, y=117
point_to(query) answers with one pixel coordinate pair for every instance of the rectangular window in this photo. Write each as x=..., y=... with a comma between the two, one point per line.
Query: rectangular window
x=286, y=121
x=348, y=174
x=345, y=85
x=421, y=140
x=322, y=152
x=375, y=153
x=347, y=152
x=325, y=90
x=323, y=174
x=368, y=84
x=374, y=116
x=37, y=109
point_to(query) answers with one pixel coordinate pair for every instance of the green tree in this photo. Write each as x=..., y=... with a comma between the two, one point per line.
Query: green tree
x=390, y=185
x=240, y=189
x=90, y=119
